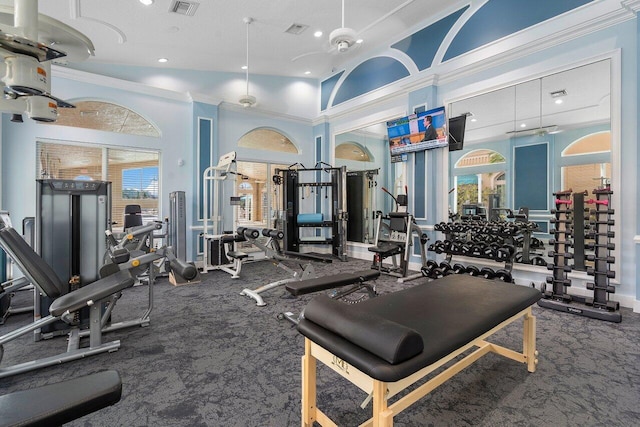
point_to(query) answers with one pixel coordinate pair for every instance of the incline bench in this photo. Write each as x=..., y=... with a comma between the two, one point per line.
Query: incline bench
x=44, y=278
x=385, y=344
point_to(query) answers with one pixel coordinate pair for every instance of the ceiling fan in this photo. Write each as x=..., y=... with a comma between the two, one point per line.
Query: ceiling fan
x=343, y=38
x=340, y=40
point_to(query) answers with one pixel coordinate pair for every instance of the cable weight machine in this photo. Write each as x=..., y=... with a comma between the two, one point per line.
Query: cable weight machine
x=314, y=203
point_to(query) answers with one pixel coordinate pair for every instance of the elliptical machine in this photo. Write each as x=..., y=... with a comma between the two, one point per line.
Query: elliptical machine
x=394, y=239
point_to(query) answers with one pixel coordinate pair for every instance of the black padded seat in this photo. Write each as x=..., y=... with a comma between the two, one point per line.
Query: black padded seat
x=237, y=255
x=387, y=249
x=38, y=272
x=448, y=313
x=318, y=284
x=93, y=292
x=60, y=403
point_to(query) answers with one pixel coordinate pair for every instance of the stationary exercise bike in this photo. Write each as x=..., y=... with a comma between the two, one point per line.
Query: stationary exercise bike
x=394, y=239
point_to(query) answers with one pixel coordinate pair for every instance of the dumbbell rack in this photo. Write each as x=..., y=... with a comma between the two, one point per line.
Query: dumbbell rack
x=602, y=221
x=557, y=298
x=466, y=238
x=599, y=306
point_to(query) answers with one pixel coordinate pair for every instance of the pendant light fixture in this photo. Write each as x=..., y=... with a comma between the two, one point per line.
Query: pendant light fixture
x=247, y=100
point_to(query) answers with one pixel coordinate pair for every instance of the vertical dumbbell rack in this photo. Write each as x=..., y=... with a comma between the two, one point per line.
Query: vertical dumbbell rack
x=557, y=298
x=600, y=305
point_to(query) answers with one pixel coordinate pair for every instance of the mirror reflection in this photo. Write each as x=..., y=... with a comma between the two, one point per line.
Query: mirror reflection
x=554, y=131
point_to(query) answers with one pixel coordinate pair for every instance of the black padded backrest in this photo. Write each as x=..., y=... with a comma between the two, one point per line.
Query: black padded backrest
x=398, y=221
x=132, y=216
x=39, y=273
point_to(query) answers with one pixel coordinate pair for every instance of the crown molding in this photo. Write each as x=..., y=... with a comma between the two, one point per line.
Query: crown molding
x=112, y=82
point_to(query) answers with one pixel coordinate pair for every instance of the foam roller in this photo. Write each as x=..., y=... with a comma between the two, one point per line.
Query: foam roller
x=312, y=218
x=276, y=234
x=249, y=233
x=183, y=269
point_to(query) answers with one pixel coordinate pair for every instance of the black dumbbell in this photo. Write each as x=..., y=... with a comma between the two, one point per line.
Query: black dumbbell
x=459, y=268
x=488, y=273
x=472, y=270
x=504, y=275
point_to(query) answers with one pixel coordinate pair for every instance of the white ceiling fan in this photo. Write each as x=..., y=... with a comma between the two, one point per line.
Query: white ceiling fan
x=343, y=38
x=340, y=40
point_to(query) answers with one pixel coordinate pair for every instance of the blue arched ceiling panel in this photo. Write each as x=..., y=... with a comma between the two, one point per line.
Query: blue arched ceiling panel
x=422, y=46
x=371, y=74
x=326, y=87
x=500, y=18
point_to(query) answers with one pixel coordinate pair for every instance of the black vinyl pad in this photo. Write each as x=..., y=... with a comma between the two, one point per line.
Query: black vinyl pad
x=388, y=340
x=59, y=403
x=91, y=293
x=318, y=284
x=34, y=268
x=448, y=313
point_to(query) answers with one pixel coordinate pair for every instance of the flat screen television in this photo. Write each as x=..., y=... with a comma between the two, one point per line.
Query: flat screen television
x=413, y=133
x=456, y=132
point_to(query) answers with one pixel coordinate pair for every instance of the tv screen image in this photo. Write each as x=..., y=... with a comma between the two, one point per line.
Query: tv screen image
x=417, y=132
x=424, y=131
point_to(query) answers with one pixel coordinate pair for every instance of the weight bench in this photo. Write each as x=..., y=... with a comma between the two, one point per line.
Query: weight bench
x=63, y=307
x=385, y=344
x=56, y=404
x=330, y=282
x=357, y=281
x=273, y=251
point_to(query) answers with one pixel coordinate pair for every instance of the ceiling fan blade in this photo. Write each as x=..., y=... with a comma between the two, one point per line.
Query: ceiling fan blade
x=304, y=55
x=385, y=16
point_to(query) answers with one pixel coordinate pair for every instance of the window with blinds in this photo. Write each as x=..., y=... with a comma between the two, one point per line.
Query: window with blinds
x=134, y=174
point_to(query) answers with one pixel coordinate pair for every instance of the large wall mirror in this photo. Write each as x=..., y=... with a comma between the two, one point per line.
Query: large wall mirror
x=365, y=153
x=525, y=142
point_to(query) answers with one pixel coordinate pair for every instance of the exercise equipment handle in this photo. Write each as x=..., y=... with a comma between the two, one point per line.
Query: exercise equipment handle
x=597, y=202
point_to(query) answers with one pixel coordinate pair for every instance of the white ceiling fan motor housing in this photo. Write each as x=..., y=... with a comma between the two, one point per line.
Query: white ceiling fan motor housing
x=342, y=38
x=247, y=101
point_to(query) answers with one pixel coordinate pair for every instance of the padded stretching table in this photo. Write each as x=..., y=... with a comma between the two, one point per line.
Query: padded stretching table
x=385, y=344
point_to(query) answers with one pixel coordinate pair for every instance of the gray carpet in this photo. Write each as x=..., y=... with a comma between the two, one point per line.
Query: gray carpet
x=213, y=358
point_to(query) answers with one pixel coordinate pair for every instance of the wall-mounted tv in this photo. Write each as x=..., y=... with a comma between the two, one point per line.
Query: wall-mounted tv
x=456, y=132
x=417, y=132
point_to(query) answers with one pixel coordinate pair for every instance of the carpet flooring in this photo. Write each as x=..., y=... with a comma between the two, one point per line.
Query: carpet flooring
x=211, y=357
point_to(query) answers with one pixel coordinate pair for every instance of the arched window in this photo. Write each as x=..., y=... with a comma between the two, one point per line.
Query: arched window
x=479, y=174
x=267, y=139
x=105, y=116
x=353, y=151
x=587, y=162
x=591, y=144
x=480, y=158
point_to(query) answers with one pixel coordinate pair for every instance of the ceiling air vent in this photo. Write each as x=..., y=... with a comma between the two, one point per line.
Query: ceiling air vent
x=184, y=7
x=296, y=29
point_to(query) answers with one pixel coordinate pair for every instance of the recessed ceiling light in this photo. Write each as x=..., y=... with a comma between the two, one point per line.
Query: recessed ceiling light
x=307, y=72
x=146, y=2
x=559, y=101
x=317, y=34
x=523, y=125
x=474, y=120
x=163, y=60
x=244, y=67
x=359, y=41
